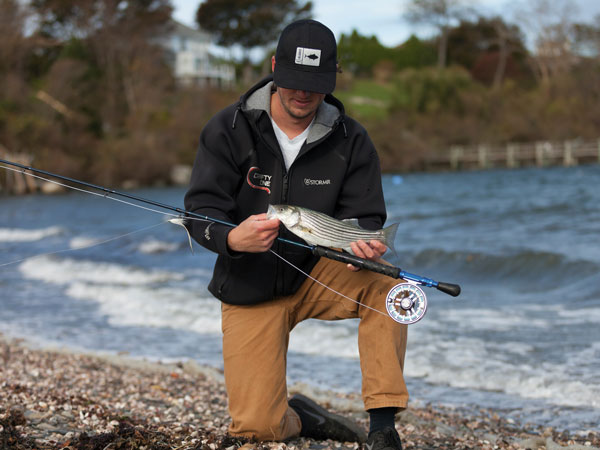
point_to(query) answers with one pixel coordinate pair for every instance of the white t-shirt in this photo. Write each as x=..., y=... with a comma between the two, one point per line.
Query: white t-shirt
x=290, y=147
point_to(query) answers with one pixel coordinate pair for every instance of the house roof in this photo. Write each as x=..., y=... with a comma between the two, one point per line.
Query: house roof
x=192, y=33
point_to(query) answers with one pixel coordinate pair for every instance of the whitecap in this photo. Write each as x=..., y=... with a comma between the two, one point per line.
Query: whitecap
x=155, y=246
x=498, y=319
x=24, y=235
x=83, y=242
x=66, y=271
x=152, y=307
x=473, y=363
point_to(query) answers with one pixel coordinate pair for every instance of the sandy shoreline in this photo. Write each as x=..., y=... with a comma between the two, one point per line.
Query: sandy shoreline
x=58, y=399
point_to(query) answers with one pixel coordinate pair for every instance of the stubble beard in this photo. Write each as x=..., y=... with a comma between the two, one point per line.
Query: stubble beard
x=292, y=114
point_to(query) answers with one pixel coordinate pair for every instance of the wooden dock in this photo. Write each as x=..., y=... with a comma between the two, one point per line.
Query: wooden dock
x=538, y=154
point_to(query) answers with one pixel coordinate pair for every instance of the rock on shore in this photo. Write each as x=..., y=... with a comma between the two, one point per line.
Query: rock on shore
x=53, y=399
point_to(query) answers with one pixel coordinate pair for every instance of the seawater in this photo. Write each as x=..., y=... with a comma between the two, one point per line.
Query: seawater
x=522, y=338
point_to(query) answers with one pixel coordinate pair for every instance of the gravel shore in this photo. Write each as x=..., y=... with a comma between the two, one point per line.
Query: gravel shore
x=55, y=399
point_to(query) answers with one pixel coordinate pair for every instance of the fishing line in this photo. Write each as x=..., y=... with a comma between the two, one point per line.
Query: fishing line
x=411, y=300
x=90, y=192
x=325, y=286
x=164, y=214
x=84, y=246
x=105, y=195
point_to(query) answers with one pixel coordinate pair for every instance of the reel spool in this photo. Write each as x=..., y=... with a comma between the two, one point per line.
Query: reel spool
x=406, y=303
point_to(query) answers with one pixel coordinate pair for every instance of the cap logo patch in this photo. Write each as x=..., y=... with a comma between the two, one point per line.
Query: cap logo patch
x=308, y=56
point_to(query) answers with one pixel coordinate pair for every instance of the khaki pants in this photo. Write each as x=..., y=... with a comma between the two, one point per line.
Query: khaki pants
x=255, y=344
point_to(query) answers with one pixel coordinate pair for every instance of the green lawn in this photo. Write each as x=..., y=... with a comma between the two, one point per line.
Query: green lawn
x=366, y=99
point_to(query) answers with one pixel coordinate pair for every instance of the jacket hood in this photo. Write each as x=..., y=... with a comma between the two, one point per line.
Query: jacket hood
x=258, y=100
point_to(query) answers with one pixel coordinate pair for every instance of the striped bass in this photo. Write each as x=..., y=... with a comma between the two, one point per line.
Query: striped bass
x=320, y=229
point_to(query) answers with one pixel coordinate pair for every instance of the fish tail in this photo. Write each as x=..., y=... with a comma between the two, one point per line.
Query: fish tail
x=389, y=234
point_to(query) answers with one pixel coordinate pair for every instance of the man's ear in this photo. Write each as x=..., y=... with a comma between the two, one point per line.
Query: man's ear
x=272, y=63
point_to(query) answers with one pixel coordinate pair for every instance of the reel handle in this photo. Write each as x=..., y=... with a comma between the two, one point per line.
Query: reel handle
x=347, y=258
x=448, y=288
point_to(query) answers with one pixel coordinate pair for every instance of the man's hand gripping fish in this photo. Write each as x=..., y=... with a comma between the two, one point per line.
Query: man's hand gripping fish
x=320, y=229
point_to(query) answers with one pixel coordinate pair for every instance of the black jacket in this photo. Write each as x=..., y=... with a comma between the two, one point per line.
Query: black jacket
x=239, y=170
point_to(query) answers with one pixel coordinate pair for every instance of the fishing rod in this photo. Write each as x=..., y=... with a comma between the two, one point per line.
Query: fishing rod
x=388, y=270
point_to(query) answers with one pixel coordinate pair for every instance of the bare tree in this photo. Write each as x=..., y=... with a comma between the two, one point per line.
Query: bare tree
x=117, y=38
x=13, y=44
x=549, y=23
x=476, y=45
x=441, y=14
x=506, y=38
x=14, y=91
x=587, y=38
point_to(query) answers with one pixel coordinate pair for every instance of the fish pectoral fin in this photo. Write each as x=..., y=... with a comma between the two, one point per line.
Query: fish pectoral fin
x=349, y=250
x=303, y=229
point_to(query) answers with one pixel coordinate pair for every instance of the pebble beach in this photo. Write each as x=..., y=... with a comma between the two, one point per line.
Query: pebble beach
x=60, y=399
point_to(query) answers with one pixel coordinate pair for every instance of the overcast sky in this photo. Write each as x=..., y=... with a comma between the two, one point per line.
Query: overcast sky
x=383, y=18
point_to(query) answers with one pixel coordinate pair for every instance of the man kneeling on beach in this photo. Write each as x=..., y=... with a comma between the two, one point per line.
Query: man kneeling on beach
x=288, y=141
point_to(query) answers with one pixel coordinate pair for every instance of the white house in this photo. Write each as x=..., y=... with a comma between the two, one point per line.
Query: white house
x=189, y=55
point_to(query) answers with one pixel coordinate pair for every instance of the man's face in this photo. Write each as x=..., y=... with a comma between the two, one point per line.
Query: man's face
x=299, y=104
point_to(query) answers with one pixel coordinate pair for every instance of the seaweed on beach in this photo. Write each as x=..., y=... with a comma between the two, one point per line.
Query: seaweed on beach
x=129, y=436
x=126, y=436
x=10, y=435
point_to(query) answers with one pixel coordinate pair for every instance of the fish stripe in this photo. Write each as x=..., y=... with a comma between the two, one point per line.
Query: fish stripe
x=317, y=228
x=325, y=227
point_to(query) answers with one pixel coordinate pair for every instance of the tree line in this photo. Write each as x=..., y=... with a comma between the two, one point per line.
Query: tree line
x=85, y=87
x=479, y=80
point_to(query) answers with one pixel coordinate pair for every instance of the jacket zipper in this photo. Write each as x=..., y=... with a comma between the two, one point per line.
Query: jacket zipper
x=285, y=188
x=284, y=199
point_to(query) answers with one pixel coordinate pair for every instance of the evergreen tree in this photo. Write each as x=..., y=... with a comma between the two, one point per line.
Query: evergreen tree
x=249, y=23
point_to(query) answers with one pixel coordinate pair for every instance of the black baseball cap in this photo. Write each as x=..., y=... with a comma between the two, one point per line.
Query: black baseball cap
x=306, y=57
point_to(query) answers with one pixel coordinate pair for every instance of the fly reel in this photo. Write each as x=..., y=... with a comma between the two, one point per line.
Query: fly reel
x=406, y=303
